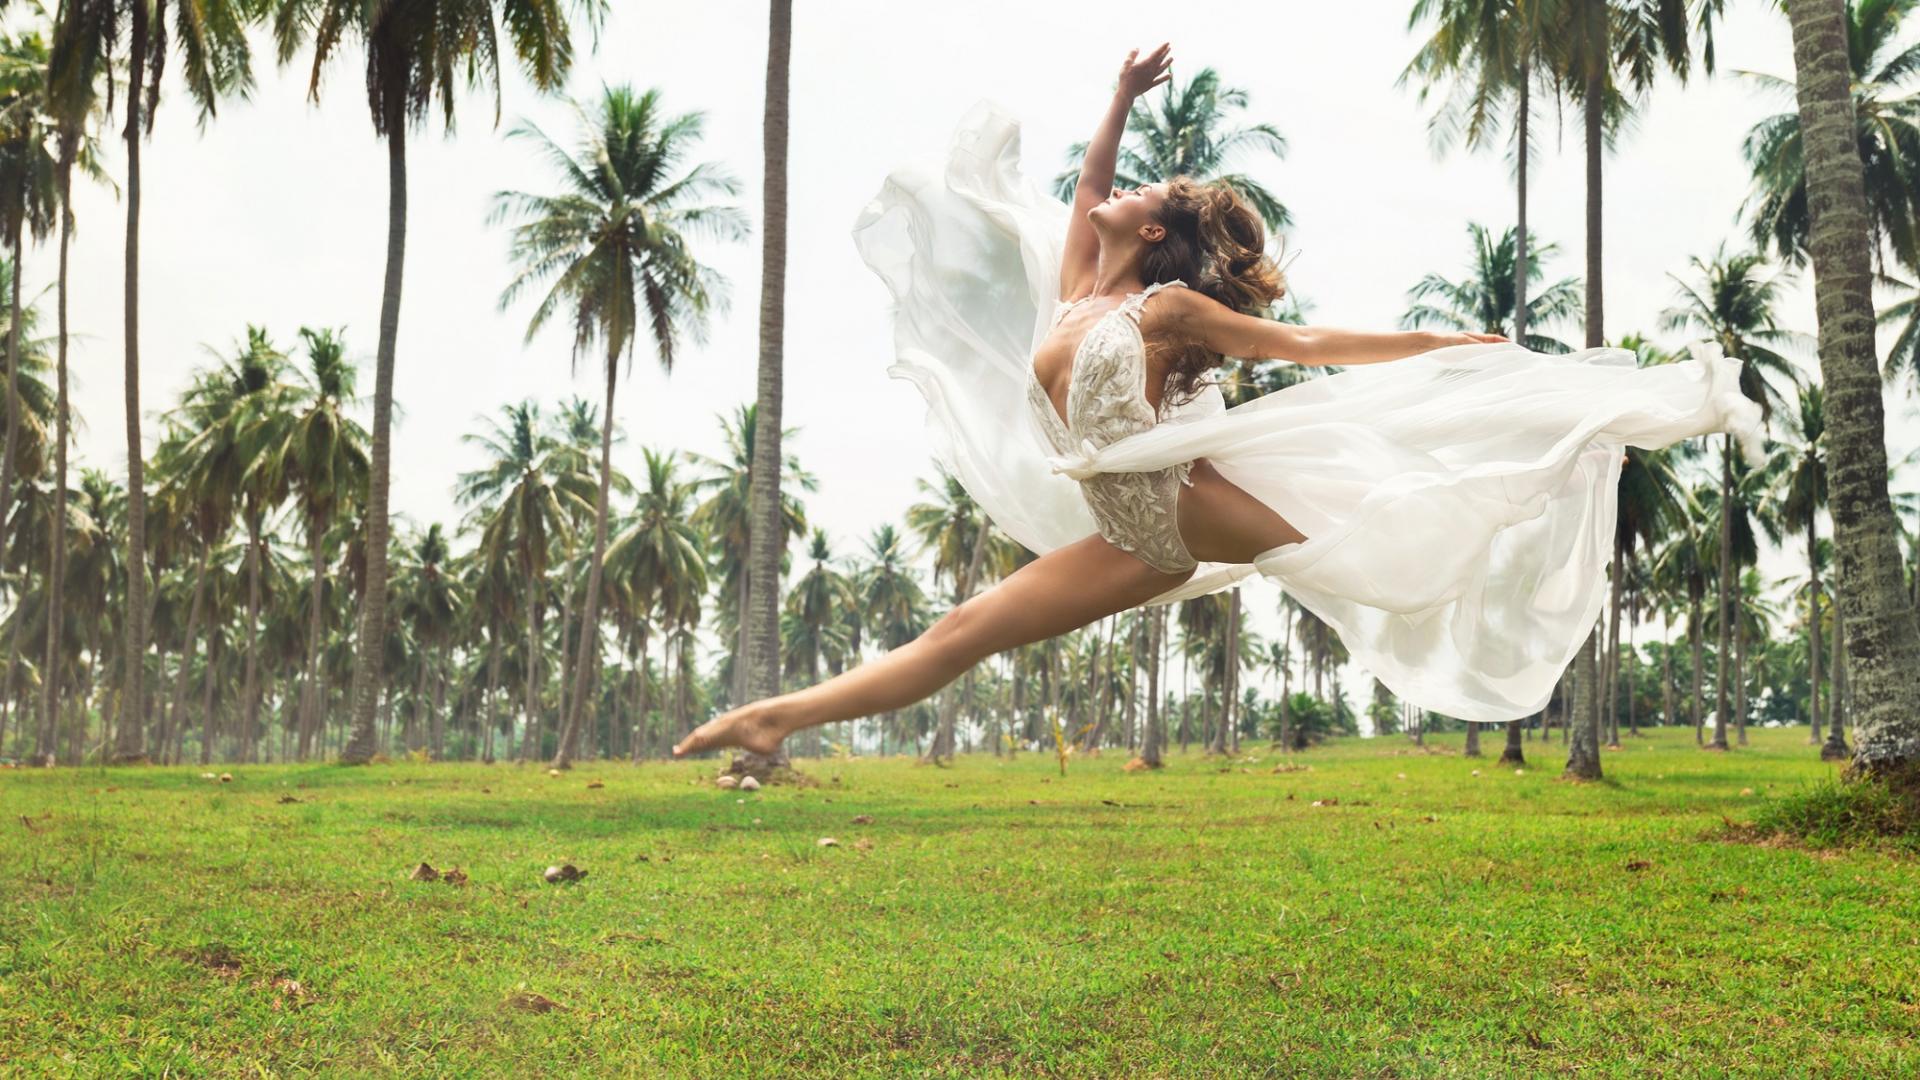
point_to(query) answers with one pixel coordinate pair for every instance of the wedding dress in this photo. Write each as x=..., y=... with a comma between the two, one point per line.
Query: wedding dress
x=1458, y=504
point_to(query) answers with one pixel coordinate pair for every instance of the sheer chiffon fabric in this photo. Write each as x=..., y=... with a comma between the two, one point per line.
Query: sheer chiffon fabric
x=1458, y=504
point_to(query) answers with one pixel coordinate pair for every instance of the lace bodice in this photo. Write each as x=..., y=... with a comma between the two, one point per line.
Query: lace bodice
x=1106, y=400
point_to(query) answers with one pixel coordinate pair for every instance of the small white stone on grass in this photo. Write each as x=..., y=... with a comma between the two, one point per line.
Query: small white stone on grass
x=748, y=783
x=827, y=841
x=726, y=781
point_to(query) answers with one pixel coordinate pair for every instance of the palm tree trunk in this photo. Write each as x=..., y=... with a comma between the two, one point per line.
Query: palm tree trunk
x=530, y=735
x=942, y=745
x=1513, y=753
x=250, y=700
x=768, y=530
x=1740, y=679
x=1835, y=748
x=640, y=710
x=13, y=393
x=209, y=724
x=493, y=689
x=1666, y=669
x=587, y=663
x=1721, y=690
x=1813, y=640
x=316, y=627
x=1583, y=752
x=1695, y=639
x=1520, y=232
x=371, y=639
x=1153, y=740
x=1883, y=655
x=129, y=745
x=57, y=527
x=194, y=608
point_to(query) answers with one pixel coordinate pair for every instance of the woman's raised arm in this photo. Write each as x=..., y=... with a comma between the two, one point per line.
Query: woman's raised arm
x=1231, y=333
x=1082, y=250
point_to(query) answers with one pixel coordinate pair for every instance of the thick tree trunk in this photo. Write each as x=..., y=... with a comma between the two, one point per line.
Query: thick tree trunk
x=8, y=452
x=371, y=639
x=1513, y=753
x=768, y=530
x=1883, y=653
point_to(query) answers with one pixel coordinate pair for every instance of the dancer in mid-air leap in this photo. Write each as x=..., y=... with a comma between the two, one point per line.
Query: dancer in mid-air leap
x=1450, y=514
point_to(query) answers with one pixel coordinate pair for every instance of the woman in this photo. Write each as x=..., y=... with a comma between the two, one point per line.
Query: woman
x=1450, y=515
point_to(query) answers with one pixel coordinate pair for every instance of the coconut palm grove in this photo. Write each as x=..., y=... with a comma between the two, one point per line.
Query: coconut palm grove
x=301, y=779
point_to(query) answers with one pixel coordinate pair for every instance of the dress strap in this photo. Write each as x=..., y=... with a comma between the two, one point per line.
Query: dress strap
x=1132, y=304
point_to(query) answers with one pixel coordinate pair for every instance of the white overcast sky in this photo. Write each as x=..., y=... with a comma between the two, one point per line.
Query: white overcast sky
x=275, y=212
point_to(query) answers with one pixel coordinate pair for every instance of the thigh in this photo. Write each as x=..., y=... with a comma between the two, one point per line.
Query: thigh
x=1220, y=522
x=1063, y=590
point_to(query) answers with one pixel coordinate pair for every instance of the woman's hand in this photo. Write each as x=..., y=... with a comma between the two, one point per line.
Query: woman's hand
x=1137, y=76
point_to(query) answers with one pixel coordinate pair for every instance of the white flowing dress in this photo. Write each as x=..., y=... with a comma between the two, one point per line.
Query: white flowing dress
x=1459, y=504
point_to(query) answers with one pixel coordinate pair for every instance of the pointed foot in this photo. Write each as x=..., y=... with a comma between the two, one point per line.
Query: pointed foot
x=748, y=727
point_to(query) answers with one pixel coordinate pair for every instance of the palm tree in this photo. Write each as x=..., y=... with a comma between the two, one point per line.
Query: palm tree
x=657, y=564
x=1739, y=520
x=1487, y=300
x=325, y=456
x=1490, y=50
x=767, y=535
x=725, y=515
x=1596, y=48
x=27, y=202
x=1802, y=495
x=958, y=532
x=1734, y=308
x=214, y=61
x=1189, y=136
x=894, y=607
x=73, y=104
x=1886, y=134
x=814, y=624
x=1648, y=502
x=1884, y=650
x=614, y=244
x=413, y=51
x=520, y=504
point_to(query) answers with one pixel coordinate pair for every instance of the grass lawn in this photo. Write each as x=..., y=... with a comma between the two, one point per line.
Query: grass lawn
x=1382, y=911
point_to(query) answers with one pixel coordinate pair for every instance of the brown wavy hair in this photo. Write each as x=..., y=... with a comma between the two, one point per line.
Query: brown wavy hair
x=1216, y=243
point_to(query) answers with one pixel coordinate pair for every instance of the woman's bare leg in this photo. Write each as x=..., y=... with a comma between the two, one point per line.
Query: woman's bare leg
x=1062, y=590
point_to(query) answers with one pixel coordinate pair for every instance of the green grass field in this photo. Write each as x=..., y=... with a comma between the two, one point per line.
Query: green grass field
x=1382, y=911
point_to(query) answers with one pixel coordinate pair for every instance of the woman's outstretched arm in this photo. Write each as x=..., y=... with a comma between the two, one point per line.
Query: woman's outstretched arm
x=1082, y=249
x=1232, y=333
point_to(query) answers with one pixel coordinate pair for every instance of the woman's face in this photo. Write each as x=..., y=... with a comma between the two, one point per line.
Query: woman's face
x=1131, y=210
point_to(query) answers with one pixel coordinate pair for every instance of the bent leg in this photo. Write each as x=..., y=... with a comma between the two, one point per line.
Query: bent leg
x=1220, y=522
x=1062, y=590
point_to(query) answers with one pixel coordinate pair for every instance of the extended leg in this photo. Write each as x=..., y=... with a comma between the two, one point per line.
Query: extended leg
x=1060, y=591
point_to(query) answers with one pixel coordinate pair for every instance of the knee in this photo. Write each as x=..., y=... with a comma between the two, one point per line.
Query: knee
x=957, y=630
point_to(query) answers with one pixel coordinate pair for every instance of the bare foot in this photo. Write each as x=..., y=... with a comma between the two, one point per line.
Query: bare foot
x=748, y=727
